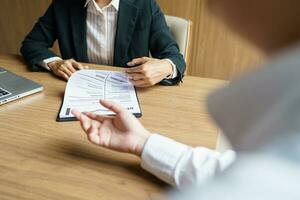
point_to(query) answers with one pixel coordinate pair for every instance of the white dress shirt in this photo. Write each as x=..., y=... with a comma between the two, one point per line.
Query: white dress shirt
x=101, y=26
x=180, y=165
x=256, y=176
x=260, y=115
x=101, y=31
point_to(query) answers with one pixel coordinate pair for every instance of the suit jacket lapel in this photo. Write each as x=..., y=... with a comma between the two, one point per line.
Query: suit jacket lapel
x=78, y=23
x=127, y=17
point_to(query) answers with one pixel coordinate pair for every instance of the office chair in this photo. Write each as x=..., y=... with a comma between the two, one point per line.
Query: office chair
x=181, y=30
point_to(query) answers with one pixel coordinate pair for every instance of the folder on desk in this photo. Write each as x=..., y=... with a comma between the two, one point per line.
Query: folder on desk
x=85, y=88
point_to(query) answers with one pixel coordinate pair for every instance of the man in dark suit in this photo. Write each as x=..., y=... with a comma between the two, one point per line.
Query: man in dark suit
x=110, y=32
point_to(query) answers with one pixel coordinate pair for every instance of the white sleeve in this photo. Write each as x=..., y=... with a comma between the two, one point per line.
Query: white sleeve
x=181, y=165
x=45, y=62
x=175, y=73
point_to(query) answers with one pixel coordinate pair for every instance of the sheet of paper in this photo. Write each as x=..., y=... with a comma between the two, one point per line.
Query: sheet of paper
x=86, y=87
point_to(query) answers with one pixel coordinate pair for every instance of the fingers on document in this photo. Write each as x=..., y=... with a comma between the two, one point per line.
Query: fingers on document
x=143, y=83
x=140, y=83
x=136, y=76
x=66, y=71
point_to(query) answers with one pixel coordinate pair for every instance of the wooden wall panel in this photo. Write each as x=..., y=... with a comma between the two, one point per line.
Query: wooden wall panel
x=216, y=52
x=17, y=18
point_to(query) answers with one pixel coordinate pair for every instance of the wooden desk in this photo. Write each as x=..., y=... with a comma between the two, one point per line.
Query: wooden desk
x=42, y=159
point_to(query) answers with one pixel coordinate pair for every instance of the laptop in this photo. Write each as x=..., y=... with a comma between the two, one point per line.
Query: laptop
x=14, y=87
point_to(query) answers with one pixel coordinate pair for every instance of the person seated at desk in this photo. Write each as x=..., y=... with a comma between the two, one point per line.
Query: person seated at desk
x=107, y=32
x=236, y=109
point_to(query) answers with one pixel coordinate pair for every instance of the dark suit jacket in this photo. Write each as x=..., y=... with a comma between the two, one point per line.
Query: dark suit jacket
x=141, y=28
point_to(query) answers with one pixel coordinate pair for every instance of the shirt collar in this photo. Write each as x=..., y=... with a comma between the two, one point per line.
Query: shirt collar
x=114, y=3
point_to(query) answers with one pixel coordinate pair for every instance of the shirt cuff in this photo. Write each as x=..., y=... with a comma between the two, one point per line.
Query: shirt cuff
x=45, y=62
x=160, y=156
x=175, y=73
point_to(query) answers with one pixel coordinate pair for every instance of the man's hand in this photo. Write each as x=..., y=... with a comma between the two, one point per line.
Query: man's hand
x=123, y=132
x=148, y=71
x=65, y=68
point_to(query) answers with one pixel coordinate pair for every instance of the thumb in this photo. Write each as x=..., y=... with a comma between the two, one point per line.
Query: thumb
x=138, y=61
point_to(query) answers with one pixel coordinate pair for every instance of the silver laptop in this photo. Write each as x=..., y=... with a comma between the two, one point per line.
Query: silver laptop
x=14, y=87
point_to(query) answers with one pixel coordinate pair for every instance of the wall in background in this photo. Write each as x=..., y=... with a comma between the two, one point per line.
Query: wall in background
x=17, y=18
x=216, y=52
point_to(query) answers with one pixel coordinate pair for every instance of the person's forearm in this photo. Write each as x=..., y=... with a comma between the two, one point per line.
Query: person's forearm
x=35, y=47
x=180, y=165
x=174, y=73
